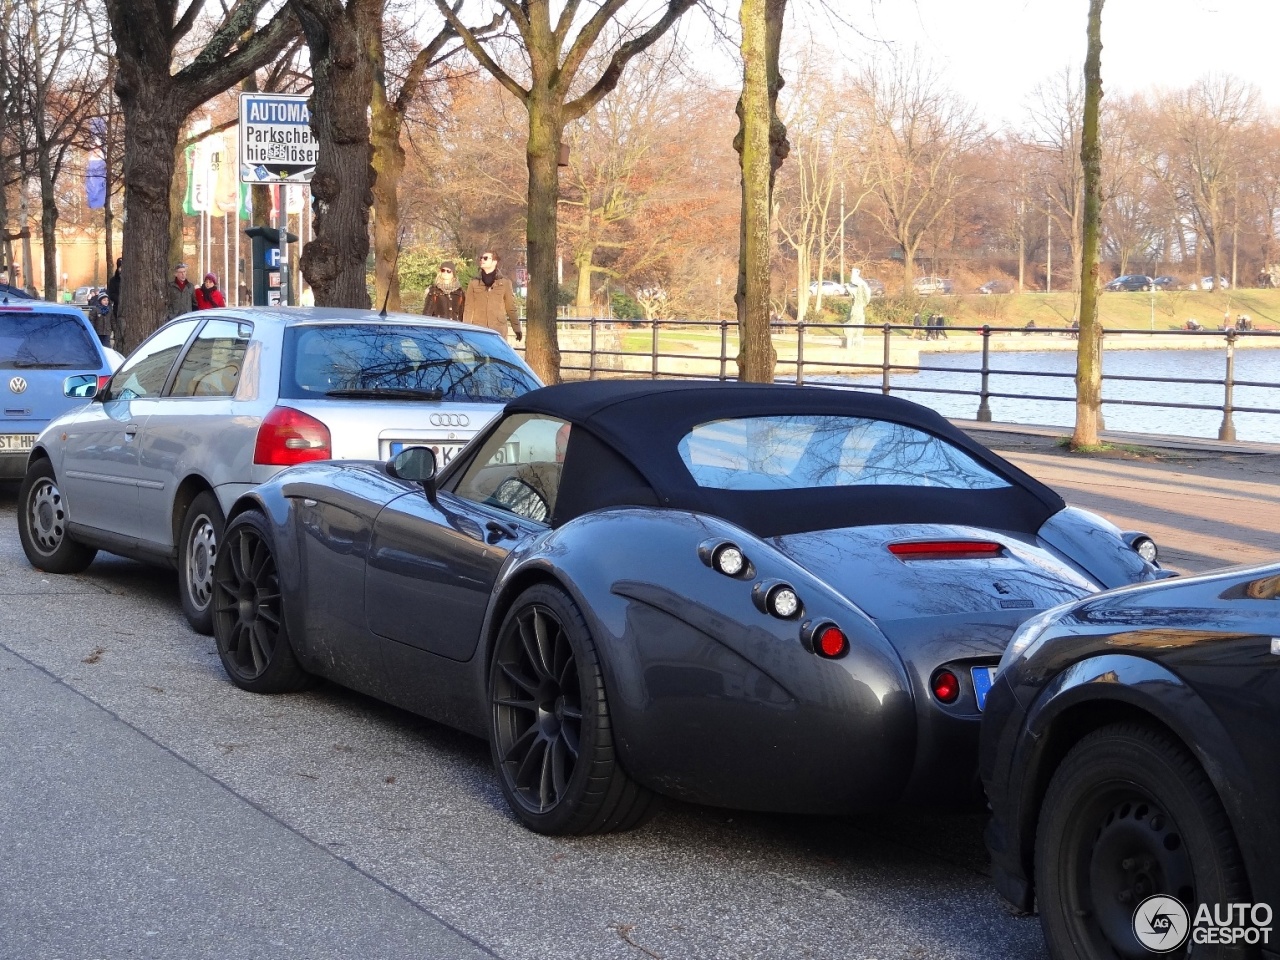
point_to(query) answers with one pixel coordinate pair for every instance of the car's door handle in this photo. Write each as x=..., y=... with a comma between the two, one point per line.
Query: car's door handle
x=131, y=431
x=501, y=531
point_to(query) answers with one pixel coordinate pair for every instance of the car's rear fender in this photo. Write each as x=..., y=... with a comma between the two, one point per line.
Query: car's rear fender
x=1096, y=547
x=1112, y=688
x=712, y=699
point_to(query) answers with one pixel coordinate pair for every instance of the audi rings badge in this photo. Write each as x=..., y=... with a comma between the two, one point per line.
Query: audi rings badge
x=450, y=420
x=18, y=385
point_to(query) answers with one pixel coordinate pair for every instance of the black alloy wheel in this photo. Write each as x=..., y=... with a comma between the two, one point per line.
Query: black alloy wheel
x=1130, y=814
x=550, y=731
x=198, y=550
x=42, y=524
x=248, y=611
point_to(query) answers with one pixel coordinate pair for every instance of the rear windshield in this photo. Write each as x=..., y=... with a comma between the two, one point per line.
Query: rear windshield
x=365, y=359
x=32, y=341
x=788, y=453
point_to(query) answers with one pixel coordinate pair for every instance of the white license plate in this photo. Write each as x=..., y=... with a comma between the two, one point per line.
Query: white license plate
x=444, y=451
x=983, y=678
x=17, y=441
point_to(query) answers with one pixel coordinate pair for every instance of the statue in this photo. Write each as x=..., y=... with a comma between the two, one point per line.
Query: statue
x=859, y=297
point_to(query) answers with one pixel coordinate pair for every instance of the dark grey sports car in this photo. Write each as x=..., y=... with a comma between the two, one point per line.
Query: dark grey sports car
x=763, y=597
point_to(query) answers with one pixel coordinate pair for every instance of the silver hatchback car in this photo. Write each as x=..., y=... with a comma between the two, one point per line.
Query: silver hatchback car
x=216, y=402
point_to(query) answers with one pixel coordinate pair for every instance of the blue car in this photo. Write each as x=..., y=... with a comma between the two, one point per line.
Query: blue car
x=51, y=361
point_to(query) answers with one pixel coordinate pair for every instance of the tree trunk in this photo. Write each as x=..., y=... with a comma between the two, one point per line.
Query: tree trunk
x=178, y=213
x=1089, y=352
x=48, y=219
x=583, y=262
x=342, y=57
x=542, y=351
x=762, y=145
x=388, y=166
x=151, y=120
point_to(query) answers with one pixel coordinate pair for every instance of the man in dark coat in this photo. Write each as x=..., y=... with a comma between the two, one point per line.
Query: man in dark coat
x=491, y=301
x=179, y=294
x=445, y=298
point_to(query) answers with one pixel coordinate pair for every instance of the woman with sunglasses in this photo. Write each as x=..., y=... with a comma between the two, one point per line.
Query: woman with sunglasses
x=445, y=298
x=491, y=301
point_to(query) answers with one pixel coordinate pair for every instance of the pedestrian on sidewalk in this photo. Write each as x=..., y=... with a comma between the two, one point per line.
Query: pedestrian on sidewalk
x=446, y=298
x=207, y=295
x=179, y=294
x=491, y=300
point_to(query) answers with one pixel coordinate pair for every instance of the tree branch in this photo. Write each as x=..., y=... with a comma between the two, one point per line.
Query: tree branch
x=473, y=45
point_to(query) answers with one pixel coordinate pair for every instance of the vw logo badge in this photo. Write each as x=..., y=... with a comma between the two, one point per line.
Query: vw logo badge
x=450, y=420
x=18, y=385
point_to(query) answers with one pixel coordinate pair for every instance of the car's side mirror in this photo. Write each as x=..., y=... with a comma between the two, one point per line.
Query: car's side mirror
x=417, y=465
x=83, y=386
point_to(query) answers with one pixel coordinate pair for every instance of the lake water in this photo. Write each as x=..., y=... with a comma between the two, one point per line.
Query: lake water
x=1262, y=366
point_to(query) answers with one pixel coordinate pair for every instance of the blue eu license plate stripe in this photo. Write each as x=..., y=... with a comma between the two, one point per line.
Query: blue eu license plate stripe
x=983, y=677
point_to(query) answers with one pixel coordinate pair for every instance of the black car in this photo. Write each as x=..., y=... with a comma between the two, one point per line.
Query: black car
x=1129, y=755
x=1130, y=281
x=1166, y=283
x=772, y=598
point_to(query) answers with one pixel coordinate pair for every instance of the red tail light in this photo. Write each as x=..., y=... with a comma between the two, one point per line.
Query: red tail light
x=946, y=686
x=945, y=549
x=831, y=643
x=288, y=436
x=103, y=380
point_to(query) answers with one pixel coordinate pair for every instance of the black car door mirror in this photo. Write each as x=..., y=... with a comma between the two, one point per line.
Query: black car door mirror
x=417, y=465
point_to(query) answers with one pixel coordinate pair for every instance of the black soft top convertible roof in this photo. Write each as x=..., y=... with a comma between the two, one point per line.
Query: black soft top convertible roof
x=627, y=453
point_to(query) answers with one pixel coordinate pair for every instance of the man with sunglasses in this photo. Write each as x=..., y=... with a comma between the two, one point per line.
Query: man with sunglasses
x=445, y=298
x=490, y=299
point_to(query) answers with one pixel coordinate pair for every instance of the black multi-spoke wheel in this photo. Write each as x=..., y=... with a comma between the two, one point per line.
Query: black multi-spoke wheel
x=42, y=524
x=550, y=731
x=201, y=529
x=1129, y=814
x=248, y=610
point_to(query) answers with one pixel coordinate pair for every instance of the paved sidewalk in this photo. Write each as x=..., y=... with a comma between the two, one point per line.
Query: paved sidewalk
x=113, y=846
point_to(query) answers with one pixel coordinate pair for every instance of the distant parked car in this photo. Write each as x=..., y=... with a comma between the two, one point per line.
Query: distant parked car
x=1166, y=283
x=830, y=288
x=1206, y=283
x=877, y=288
x=928, y=285
x=83, y=295
x=216, y=402
x=51, y=361
x=996, y=286
x=1131, y=281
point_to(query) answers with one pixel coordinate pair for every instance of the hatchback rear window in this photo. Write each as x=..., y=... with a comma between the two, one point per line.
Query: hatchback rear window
x=34, y=341
x=399, y=361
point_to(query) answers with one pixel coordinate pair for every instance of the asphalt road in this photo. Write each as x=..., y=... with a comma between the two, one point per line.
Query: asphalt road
x=151, y=809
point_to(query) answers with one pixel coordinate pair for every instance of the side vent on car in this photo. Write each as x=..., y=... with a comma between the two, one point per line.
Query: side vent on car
x=288, y=436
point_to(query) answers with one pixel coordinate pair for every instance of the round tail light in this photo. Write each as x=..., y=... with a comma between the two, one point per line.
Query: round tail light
x=945, y=686
x=830, y=642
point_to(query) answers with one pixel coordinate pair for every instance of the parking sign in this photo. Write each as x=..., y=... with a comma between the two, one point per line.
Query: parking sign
x=276, y=143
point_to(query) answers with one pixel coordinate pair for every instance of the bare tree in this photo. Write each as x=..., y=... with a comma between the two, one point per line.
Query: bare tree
x=1056, y=114
x=1089, y=352
x=556, y=95
x=762, y=146
x=1207, y=121
x=157, y=99
x=917, y=132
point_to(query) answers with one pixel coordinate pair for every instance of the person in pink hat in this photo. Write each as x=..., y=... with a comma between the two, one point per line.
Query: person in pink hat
x=208, y=295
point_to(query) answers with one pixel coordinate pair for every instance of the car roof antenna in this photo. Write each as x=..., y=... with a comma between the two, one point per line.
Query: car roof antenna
x=394, y=264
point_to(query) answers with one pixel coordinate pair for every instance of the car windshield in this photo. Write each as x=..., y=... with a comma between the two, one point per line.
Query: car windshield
x=787, y=453
x=401, y=362
x=35, y=340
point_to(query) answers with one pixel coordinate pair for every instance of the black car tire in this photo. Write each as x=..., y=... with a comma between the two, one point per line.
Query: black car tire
x=550, y=731
x=197, y=553
x=42, y=524
x=1129, y=814
x=248, y=611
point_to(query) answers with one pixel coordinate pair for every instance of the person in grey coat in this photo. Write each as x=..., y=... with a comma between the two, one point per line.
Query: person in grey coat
x=179, y=294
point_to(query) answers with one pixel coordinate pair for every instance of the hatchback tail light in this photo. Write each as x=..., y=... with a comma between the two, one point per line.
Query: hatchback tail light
x=288, y=436
x=103, y=380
